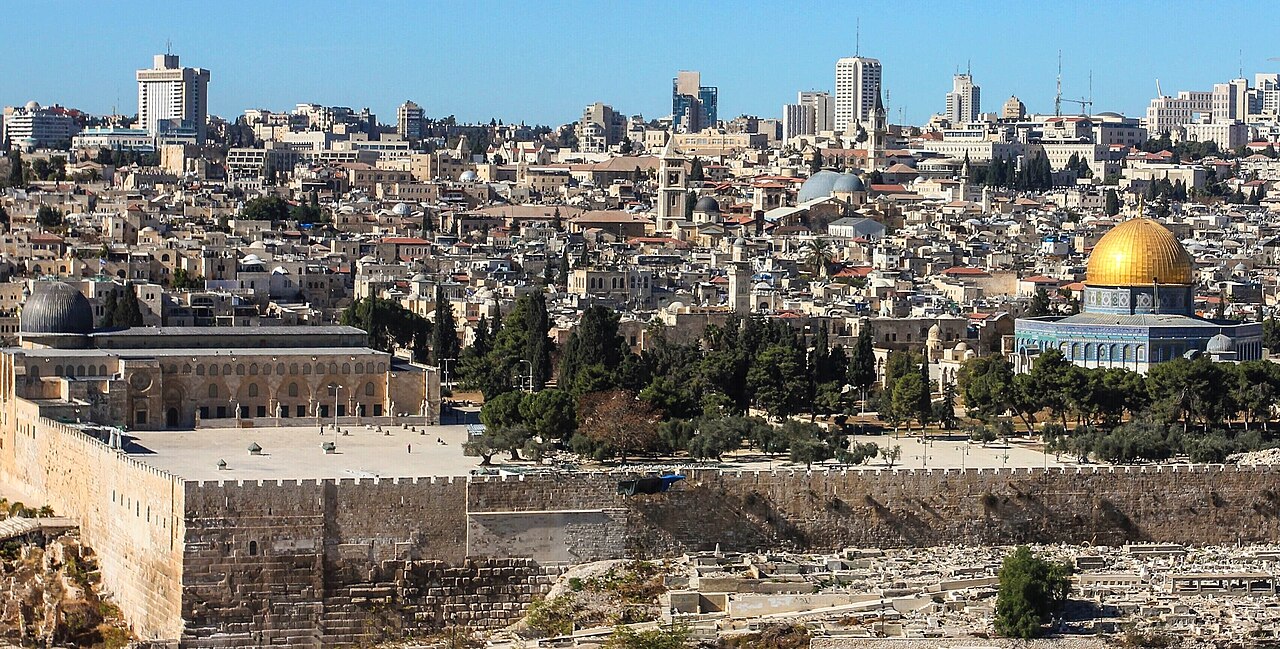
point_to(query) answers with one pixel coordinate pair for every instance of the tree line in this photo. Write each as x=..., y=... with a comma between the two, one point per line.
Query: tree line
x=700, y=397
x=1193, y=407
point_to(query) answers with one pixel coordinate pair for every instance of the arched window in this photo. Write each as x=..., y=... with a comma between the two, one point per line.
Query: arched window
x=359, y=368
x=306, y=368
x=369, y=389
x=253, y=389
x=213, y=390
x=226, y=369
x=57, y=370
x=346, y=368
x=80, y=371
x=213, y=370
x=280, y=369
x=199, y=370
x=253, y=369
x=240, y=369
x=293, y=389
x=293, y=369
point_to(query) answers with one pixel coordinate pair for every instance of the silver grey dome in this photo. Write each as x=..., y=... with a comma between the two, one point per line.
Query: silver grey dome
x=56, y=308
x=847, y=183
x=1220, y=343
x=817, y=186
x=706, y=204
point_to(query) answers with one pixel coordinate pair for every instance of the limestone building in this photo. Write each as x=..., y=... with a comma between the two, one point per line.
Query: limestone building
x=152, y=378
x=1138, y=309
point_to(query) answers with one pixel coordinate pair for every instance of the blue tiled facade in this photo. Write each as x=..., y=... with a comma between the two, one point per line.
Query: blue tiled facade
x=1121, y=327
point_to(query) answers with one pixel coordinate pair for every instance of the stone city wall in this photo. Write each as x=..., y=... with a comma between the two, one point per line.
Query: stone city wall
x=1202, y=504
x=131, y=514
x=323, y=563
x=340, y=563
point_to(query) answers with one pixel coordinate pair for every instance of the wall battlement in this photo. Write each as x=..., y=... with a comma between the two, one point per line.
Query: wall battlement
x=339, y=562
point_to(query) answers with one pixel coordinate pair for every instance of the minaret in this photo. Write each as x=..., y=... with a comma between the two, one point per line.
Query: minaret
x=672, y=191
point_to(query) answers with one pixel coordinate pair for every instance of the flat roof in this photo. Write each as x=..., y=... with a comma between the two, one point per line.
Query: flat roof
x=283, y=330
x=295, y=453
x=203, y=352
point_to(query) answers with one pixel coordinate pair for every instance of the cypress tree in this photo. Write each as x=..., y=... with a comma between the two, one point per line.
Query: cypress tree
x=538, y=345
x=444, y=343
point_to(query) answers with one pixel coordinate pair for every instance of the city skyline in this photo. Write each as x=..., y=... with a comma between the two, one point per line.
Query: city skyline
x=284, y=57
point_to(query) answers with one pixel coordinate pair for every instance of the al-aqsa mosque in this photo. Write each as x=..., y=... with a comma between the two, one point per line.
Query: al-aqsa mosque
x=1138, y=309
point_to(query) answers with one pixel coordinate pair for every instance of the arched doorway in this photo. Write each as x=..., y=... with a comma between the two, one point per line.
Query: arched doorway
x=171, y=418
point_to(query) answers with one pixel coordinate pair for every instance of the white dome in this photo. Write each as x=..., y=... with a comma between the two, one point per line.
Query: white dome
x=400, y=209
x=1220, y=343
x=468, y=176
x=33, y=105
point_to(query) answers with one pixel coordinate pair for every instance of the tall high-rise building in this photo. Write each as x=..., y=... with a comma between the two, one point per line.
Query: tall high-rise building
x=173, y=96
x=409, y=121
x=797, y=120
x=964, y=102
x=1231, y=100
x=857, y=90
x=824, y=109
x=693, y=105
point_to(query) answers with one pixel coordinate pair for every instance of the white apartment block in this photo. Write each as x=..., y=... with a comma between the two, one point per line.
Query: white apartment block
x=1228, y=134
x=169, y=92
x=1231, y=100
x=857, y=91
x=32, y=126
x=824, y=109
x=797, y=120
x=1164, y=114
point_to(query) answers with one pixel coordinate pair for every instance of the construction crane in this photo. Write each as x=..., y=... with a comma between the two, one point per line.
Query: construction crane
x=1086, y=105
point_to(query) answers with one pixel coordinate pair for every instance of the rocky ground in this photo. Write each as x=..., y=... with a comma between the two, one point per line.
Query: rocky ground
x=49, y=597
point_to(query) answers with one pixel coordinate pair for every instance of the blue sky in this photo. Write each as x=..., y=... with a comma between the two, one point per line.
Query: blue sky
x=541, y=62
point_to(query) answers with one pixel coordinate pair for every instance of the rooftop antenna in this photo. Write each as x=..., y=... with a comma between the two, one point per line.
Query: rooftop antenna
x=968, y=68
x=1089, y=107
x=1057, y=99
x=857, y=38
x=168, y=46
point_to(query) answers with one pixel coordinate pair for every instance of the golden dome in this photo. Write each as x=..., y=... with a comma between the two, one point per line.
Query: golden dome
x=1139, y=252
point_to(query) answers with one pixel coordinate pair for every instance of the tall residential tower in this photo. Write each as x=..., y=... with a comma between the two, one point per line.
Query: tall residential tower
x=857, y=89
x=964, y=102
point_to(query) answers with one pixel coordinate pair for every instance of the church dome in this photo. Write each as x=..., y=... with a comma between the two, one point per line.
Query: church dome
x=1139, y=252
x=56, y=308
x=707, y=204
x=847, y=184
x=818, y=185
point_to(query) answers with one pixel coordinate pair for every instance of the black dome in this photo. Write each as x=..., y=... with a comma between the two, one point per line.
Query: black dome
x=56, y=308
x=706, y=204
